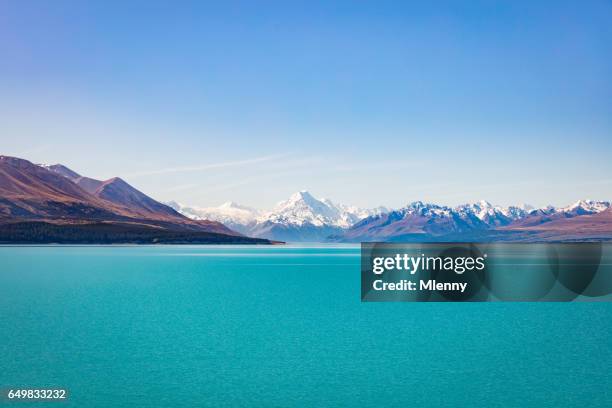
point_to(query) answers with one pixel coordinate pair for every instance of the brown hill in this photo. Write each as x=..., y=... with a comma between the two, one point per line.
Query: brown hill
x=61, y=170
x=119, y=192
x=88, y=184
x=31, y=191
x=56, y=194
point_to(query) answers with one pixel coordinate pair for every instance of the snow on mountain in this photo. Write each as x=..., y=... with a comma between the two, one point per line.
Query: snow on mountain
x=301, y=217
x=517, y=212
x=587, y=207
x=233, y=215
x=302, y=208
x=490, y=214
x=420, y=221
x=61, y=170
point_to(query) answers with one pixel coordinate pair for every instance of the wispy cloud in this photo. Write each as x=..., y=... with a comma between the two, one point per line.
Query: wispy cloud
x=210, y=166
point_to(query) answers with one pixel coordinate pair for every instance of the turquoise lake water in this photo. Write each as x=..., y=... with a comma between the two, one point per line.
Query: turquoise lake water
x=173, y=326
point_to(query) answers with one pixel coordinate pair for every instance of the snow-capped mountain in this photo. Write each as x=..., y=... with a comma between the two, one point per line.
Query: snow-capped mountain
x=302, y=208
x=581, y=207
x=235, y=216
x=300, y=218
x=549, y=214
x=420, y=221
x=417, y=220
x=305, y=218
x=493, y=215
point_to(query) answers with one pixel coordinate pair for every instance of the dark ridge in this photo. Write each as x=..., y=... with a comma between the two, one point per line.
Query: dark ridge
x=39, y=232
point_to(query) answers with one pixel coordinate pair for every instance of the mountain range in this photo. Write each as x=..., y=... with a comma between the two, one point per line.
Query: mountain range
x=305, y=218
x=484, y=222
x=300, y=218
x=52, y=203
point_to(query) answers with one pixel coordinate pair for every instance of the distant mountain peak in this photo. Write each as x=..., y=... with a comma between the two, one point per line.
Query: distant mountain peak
x=230, y=213
x=415, y=204
x=421, y=208
x=302, y=217
x=234, y=205
x=485, y=204
x=589, y=206
x=302, y=195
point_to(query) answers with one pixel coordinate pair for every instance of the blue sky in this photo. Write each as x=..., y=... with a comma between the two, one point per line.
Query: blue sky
x=366, y=103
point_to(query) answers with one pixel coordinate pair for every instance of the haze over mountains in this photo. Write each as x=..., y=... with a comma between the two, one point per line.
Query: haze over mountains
x=305, y=218
x=52, y=203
